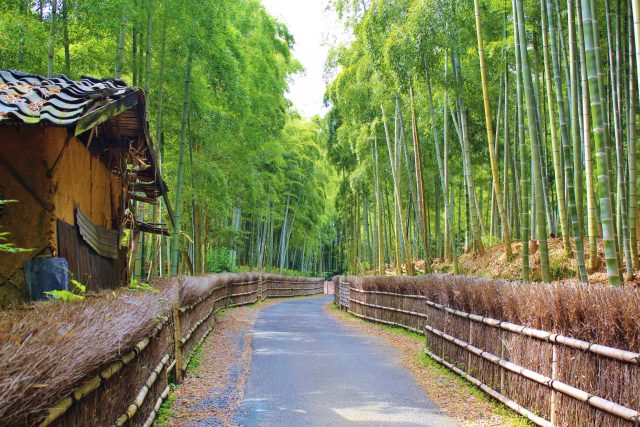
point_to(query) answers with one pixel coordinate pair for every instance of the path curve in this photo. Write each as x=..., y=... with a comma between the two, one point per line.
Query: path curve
x=309, y=369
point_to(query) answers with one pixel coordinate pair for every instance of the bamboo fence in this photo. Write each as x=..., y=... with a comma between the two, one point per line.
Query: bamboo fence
x=341, y=295
x=548, y=378
x=130, y=390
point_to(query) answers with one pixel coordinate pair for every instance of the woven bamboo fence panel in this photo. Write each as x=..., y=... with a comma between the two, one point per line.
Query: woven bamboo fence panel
x=276, y=287
x=129, y=391
x=343, y=295
x=548, y=378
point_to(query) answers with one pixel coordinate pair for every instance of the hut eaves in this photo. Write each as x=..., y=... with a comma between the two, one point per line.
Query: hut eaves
x=81, y=106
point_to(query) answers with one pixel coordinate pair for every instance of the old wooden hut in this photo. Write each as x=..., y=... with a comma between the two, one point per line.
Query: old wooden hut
x=78, y=158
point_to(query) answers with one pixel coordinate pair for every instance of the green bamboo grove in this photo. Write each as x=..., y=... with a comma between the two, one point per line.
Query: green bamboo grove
x=249, y=179
x=452, y=128
x=523, y=133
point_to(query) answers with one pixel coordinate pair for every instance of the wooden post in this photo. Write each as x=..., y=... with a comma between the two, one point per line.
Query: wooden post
x=470, y=342
x=177, y=341
x=261, y=293
x=502, y=350
x=554, y=376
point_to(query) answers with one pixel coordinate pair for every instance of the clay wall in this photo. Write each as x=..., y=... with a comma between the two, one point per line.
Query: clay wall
x=80, y=180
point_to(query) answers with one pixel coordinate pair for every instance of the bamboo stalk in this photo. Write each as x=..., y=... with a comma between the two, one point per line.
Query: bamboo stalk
x=600, y=139
x=524, y=158
x=506, y=233
x=557, y=167
x=541, y=223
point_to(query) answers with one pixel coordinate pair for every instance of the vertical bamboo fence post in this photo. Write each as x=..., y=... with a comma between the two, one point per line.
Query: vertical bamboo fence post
x=470, y=342
x=177, y=343
x=554, y=376
x=502, y=349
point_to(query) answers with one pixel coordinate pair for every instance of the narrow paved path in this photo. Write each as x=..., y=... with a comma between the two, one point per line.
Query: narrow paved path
x=308, y=369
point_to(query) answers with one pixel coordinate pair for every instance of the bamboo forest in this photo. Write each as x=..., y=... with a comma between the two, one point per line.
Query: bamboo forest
x=457, y=126
x=452, y=131
x=319, y=213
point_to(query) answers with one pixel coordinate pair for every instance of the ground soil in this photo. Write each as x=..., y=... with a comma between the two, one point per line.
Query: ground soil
x=495, y=265
x=456, y=398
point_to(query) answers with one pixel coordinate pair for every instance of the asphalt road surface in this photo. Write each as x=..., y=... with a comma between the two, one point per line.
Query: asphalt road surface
x=309, y=369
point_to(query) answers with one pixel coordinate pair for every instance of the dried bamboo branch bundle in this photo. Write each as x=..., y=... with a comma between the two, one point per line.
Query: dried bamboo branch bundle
x=54, y=354
x=602, y=314
x=49, y=350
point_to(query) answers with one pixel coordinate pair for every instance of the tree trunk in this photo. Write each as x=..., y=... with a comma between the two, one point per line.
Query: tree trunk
x=283, y=234
x=65, y=35
x=399, y=223
x=175, y=250
x=420, y=187
x=120, y=53
x=599, y=130
x=52, y=37
x=535, y=143
x=634, y=41
x=495, y=177
x=379, y=208
x=592, y=223
x=443, y=165
x=557, y=160
x=24, y=9
x=570, y=177
x=147, y=73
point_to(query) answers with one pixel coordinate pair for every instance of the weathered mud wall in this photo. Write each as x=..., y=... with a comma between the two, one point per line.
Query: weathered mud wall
x=56, y=188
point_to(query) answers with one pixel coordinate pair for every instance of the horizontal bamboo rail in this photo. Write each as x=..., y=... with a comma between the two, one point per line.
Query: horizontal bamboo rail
x=208, y=295
x=386, y=322
x=152, y=416
x=597, y=349
x=573, y=392
x=396, y=310
x=64, y=404
x=553, y=384
x=142, y=394
x=491, y=392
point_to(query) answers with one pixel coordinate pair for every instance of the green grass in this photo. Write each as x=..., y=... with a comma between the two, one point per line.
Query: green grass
x=512, y=418
x=194, y=362
x=166, y=413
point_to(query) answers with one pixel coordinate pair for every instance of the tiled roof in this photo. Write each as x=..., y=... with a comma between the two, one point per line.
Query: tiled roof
x=108, y=104
x=32, y=99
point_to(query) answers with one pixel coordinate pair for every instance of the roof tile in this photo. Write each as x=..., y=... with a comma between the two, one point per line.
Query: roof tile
x=33, y=99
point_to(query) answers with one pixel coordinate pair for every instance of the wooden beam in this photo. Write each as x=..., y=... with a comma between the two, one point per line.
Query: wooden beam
x=106, y=112
x=62, y=151
x=46, y=205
